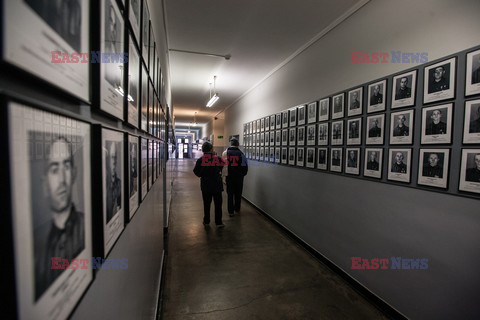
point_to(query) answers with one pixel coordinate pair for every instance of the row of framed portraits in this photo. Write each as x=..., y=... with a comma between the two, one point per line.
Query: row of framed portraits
x=436, y=128
x=73, y=188
x=433, y=164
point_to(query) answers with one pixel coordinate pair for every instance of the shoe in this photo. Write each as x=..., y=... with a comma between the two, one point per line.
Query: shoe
x=220, y=225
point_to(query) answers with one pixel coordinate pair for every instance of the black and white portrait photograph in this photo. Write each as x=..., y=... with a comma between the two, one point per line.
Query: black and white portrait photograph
x=404, y=85
x=144, y=164
x=399, y=162
x=267, y=123
x=279, y=138
x=113, y=179
x=254, y=126
x=336, y=159
x=352, y=161
x=262, y=124
x=437, y=124
x=355, y=98
x=324, y=109
x=112, y=88
x=292, y=156
x=311, y=138
x=284, y=155
x=310, y=157
x=439, y=81
x=338, y=108
x=375, y=129
x=257, y=139
x=51, y=207
x=272, y=138
x=277, y=155
x=33, y=29
x=293, y=117
x=470, y=171
x=151, y=49
x=257, y=154
x=433, y=167
x=258, y=125
x=292, y=136
x=373, y=163
x=262, y=139
x=472, y=78
x=301, y=136
x=145, y=31
x=377, y=95
x=471, y=127
x=133, y=170
x=300, y=157
x=262, y=154
x=312, y=112
x=285, y=119
x=401, y=127
x=301, y=115
x=272, y=122
x=323, y=134
x=144, y=116
x=134, y=17
x=267, y=139
x=284, y=137
x=354, y=127
x=278, y=121
x=337, y=133
x=133, y=85
x=322, y=158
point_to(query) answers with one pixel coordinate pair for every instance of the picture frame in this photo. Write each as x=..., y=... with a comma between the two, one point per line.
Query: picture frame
x=301, y=115
x=322, y=158
x=311, y=135
x=338, y=108
x=470, y=171
x=300, y=136
x=439, y=81
x=262, y=124
x=293, y=117
x=277, y=155
x=401, y=127
x=144, y=164
x=472, y=74
x=285, y=119
x=337, y=133
x=433, y=167
x=437, y=124
x=284, y=155
x=292, y=136
x=310, y=158
x=278, y=121
x=270, y=153
x=133, y=170
x=258, y=125
x=145, y=33
x=354, y=127
x=255, y=126
x=134, y=17
x=471, y=126
x=373, y=163
x=336, y=159
x=133, y=97
x=267, y=138
x=267, y=123
x=272, y=138
x=377, y=96
x=300, y=157
x=262, y=139
x=312, y=112
x=324, y=109
x=262, y=154
x=291, y=156
x=144, y=111
x=399, y=165
x=285, y=137
x=352, y=161
x=355, y=102
x=375, y=129
x=278, y=138
x=272, y=122
x=404, y=89
x=323, y=134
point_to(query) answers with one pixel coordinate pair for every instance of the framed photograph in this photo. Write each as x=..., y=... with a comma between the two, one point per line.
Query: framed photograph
x=292, y=136
x=133, y=169
x=354, y=131
x=262, y=154
x=437, y=124
x=144, y=163
x=272, y=122
x=300, y=157
x=112, y=184
x=433, y=167
x=403, y=94
x=293, y=117
x=401, y=127
x=291, y=156
x=258, y=125
x=311, y=137
x=439, y=81
x=375, y=129
x=278, y=121
x=301, y=115
x=470, y=171
x=37, y=34
x=267, y=123
x=310, y=157
x=324, y=112
x=145, y=32
x=373, y=163
x=284, y=155
x=133, y=97
x=267, y=138
x=272, y=138
x=151, y=54
x=262, y=139
x=134, y=17
x=312, y=112
x=151, y=108
x=355, y=99
x=285, y=137
x=323, y=134
x=245, y=129
x=112, y=87
x=144, y=116
x=262, y=124
x=275, y=155
x=399, y=165
x=336, y=159
x=338, y=106
x=377, y=95
x=322, y=158
x=471, y=127
x=285, y=119
x=472, y=74
x=279, y=137
x=51, y=205
x=352, y=161
x=337, y=133
x=254, y=126
x=301, y=136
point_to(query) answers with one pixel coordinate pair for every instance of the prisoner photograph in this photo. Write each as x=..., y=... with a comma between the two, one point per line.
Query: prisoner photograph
x=114, y=184
x=472, y=173
x=439, y=78
x=133, y=168
x=398, y=164
x=113, y=42
x=476, y=69
x=436, y=122
x=372, y=162
x=403, y=87
x=474, y=126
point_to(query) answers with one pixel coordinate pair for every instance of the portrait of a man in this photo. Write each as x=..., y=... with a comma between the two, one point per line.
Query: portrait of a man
x=474, y=126
x=375, y=131
x=337, y=131
x=377, y=96
x=401, y=129
x=398, y=165
x=403, y=89
x=324, y=108
x=372, y=163
x=354, y=103
x=338, y=104
x=322, y=133
x=352, y=159
x=476, y=69
x=473, y=173
x=336, y=161
x=133, y=169
x=322, y=156
x=113, y=43
x=436, y=125
x=438, y=79
x=353, y=132
x=433, y=165
x=114, y=184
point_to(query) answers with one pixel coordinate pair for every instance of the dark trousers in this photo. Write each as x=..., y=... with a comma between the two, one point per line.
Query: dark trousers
x=207, y=201
x=234, y=192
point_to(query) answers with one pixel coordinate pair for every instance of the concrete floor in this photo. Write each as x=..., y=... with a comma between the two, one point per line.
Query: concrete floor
x=247, y=270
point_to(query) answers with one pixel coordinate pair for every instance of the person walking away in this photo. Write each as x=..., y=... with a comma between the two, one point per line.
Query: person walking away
x=237, y=169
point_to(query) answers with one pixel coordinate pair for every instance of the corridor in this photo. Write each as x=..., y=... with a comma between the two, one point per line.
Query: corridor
x=247, y=270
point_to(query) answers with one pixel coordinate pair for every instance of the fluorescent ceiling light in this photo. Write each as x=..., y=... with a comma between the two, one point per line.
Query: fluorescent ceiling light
x=212, y=100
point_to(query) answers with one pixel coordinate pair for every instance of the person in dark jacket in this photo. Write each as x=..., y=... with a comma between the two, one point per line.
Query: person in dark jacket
x=236, y=170
x=209, y=169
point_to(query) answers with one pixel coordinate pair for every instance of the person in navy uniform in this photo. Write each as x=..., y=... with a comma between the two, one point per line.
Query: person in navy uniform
x=372, y=163
x=433, y=167
x=401, y=129
x=398, y=166
x=377, y=97
x=355, y=104
x=404, y=91
x=437, y=81
x=473, y=174
x=375, y=131
x=436, y=126
x=475, y=124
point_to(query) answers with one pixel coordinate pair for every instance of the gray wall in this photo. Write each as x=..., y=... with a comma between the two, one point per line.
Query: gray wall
x=342, y=216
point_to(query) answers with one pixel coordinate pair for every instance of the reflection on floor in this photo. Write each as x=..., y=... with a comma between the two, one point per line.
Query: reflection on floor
x=248, y=270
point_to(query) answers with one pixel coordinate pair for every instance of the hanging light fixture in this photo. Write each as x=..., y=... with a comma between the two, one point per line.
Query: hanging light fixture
x=215, y=96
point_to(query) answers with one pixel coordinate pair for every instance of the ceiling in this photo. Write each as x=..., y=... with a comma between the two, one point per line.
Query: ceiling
x=259, y=35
